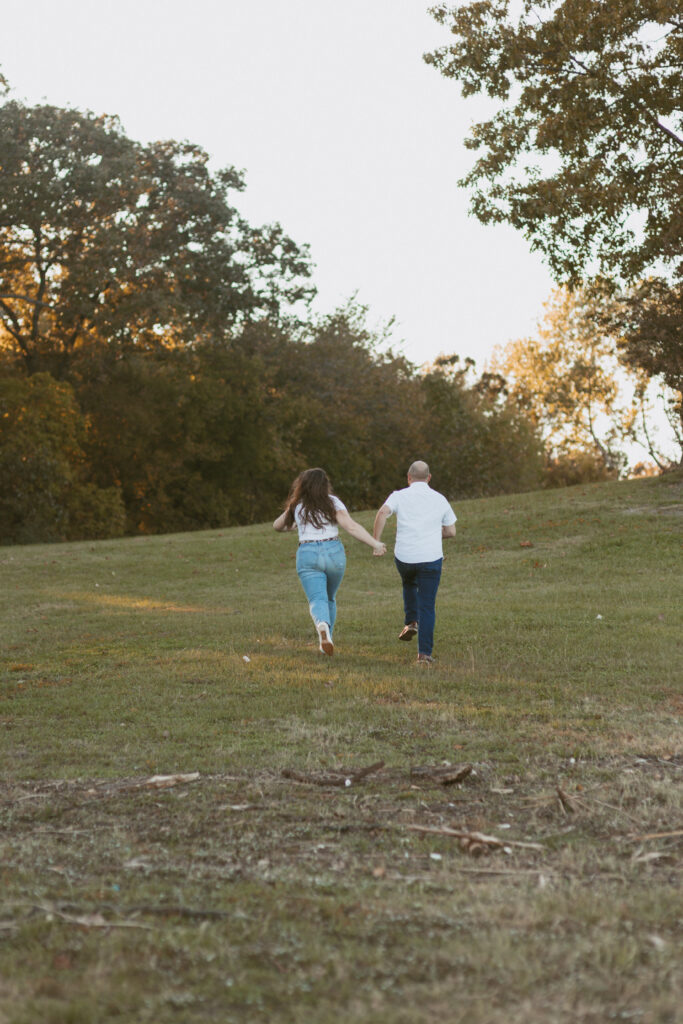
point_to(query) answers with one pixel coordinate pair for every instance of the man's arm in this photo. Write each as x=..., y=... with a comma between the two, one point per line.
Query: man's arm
x=448, y=531
x=380, y=520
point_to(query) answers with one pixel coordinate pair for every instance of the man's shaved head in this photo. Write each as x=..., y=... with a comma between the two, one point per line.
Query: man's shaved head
x=419, y=471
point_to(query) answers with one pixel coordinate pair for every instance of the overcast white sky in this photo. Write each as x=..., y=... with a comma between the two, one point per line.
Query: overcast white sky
x=347, y=139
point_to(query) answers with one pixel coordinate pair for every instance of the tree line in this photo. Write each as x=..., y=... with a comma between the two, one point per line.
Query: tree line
x=161, y=369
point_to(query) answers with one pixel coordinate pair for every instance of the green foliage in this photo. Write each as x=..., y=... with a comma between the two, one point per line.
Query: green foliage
x=584, y=153
x=43, y=493
x=365, y=414
x=195, y=393
x=191, y=437
x=572, y=383
x=214, y=434
x=476, y=440
x=576, y=467
x=104, y=241
x=359, y=409
x=650, y=323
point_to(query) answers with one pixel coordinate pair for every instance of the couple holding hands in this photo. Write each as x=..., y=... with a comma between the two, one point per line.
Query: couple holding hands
x=424, y=517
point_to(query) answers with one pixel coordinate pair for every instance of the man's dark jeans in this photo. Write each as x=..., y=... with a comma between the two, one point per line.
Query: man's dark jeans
x=420, y=584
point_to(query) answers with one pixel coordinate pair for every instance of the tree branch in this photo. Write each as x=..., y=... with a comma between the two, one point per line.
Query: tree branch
x=13, y=317
x=42, y=275
x=650, y=446
x=25, y=298
x=646, y=111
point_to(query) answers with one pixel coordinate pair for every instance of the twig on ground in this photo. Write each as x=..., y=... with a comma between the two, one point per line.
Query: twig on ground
x=315, y=780
x=344, y=779
x=447, y=776
x=568, y=805
x=164, y=781
x=362, y=772
x=647, y=858
x=62, y=831
x=396, y=876
x=658, y=835
x=174, y=911
x=611, y=807
x=473, y=839
x=95, y=920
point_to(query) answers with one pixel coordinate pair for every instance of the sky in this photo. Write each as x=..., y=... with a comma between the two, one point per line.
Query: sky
x=346, y=138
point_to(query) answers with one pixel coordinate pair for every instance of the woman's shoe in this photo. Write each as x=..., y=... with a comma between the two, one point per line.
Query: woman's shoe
x=326, y=645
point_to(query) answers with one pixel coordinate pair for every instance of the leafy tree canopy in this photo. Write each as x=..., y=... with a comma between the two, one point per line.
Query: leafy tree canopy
x=648, y=322
x=584, y=153
x=103, y=239
x=45, y=493
x=570, y=382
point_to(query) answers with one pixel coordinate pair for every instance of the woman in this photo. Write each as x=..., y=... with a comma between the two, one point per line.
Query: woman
x=316, y=513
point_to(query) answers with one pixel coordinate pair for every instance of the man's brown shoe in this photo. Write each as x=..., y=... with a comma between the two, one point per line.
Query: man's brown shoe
x=408, y=632
x=425, y=659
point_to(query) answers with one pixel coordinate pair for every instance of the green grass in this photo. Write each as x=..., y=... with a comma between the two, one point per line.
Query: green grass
x=247, y=896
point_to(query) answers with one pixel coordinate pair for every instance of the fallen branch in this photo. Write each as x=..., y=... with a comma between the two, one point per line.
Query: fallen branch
x=566, y=803
x=164, y=781
x=475, y=838
x=362, y=772
x=658, y=835
x=171, y=911
x=62, y=831
x=343, y=779
x=153, y=782
x=315, y=780
x=647, y=858
x=443, y=776
x=90, y=920
x=396, y=876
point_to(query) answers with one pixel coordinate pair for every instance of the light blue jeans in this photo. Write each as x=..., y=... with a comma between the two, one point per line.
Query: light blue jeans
x=320, y=566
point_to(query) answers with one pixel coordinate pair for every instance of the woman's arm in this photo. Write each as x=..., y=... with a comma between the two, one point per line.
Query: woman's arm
x=359, y=532
x=281, y=526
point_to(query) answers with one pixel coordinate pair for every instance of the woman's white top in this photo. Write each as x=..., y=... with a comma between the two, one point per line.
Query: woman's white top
x=309, y=532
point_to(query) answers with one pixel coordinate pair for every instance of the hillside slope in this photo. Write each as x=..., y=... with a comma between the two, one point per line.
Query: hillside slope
x=511, y=854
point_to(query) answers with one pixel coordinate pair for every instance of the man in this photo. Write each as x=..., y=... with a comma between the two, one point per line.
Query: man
x=423, y=517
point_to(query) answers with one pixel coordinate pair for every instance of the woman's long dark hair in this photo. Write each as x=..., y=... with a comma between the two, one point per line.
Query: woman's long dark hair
x=311, y=490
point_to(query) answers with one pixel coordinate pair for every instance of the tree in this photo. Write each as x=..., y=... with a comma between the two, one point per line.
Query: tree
x=45, y=493
x=355, y=407
x=104, y=241
x=584, y=154
x=476, y=439
x=649, y=320
x=192, y=437
x=569, y=379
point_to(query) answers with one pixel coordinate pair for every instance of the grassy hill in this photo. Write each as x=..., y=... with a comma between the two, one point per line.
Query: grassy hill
x=266, y=888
